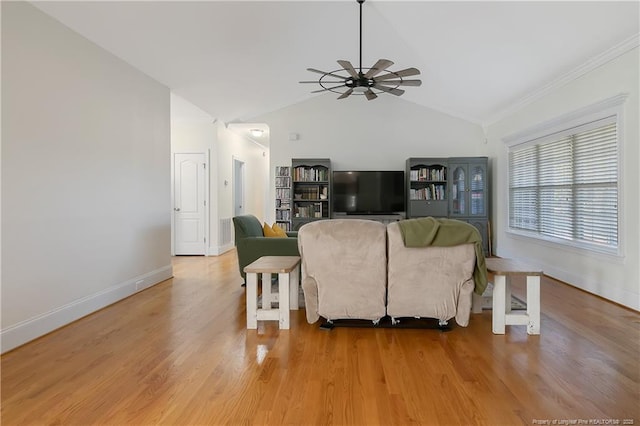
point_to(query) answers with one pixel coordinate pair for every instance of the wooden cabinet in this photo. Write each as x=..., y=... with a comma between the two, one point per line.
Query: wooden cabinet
x=311, y=186
x=455, y=188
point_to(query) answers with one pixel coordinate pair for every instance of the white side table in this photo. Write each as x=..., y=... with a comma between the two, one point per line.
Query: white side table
x=503, y=270
x=288, y=270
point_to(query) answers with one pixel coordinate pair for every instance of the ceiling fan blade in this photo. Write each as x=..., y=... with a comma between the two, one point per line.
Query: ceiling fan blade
x=346, y=94
x=329, y=88
x=327, y=73
x=402, y=73
x=391, y=90
x=323, y=82
x=348, y=68
x=400, y=82
x=370, y=95
x=378, y=67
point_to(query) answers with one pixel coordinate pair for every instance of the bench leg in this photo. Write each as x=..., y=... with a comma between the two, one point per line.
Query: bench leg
x=507, y=294
x=476, y=303
x=283, y=300
x=252, y=301
x=533, y=304
x=294, y=288
x=267, y=298
x=499, y=304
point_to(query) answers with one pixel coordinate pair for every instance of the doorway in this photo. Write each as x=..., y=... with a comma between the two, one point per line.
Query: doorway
x=189, y=203
x=238, y=187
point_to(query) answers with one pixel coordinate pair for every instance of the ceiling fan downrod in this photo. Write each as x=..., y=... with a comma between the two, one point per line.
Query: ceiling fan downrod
x=360, y=3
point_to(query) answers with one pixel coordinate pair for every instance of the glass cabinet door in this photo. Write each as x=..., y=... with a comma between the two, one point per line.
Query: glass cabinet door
x=468, y=190
x=458, y=192
x=478, y=190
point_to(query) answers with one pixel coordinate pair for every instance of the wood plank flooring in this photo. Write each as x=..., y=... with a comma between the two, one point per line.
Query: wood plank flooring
x=179, y=353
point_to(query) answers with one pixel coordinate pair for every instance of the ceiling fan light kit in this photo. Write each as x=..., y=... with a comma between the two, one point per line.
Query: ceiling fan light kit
x=364, y=81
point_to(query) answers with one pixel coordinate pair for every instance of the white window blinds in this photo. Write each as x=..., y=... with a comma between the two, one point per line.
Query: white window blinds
x=565, y=186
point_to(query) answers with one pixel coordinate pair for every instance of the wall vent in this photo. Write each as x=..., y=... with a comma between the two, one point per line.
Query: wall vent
x=224, y=232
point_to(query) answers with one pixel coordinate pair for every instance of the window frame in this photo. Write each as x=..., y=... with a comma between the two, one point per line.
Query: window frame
x=555, y=129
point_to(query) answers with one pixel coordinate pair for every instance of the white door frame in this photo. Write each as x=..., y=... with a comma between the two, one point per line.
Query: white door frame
x=207, y=209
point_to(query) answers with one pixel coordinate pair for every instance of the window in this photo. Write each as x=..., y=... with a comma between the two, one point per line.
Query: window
x=564, y=186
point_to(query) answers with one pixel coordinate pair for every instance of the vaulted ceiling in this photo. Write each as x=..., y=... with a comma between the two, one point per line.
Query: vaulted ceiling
x=238, y=59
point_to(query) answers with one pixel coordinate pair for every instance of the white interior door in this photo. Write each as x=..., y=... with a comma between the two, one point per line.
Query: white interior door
x=190, y=203
x=238, y=187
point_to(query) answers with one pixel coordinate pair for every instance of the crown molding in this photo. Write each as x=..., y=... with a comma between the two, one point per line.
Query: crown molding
x=569, y=120
x=588, y=66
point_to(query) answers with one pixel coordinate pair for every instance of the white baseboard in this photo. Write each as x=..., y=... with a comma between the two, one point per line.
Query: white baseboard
x=25, y=331
x=218, y=250
x=616, y=294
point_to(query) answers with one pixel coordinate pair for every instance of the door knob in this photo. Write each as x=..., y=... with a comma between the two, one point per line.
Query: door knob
x=176, y=209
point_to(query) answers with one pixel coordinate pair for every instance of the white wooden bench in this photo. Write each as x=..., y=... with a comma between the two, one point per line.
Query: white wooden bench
x=503, y=270
x=288, y=270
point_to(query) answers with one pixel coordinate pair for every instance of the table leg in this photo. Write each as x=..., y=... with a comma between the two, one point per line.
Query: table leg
x=476, y=303
x=507, y=294
x=499, y=304
x=252, y=300
x=533, y=304
x=283, y=299
x=266, y=291
x=294, y=289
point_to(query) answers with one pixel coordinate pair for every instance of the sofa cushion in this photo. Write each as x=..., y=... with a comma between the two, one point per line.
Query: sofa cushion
x=344, y=266
x=431, y=282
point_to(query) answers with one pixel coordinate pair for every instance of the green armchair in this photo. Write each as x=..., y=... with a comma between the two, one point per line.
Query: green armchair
x=251, y=243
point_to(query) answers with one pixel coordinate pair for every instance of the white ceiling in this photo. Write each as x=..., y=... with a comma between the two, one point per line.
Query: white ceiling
x=238, y=59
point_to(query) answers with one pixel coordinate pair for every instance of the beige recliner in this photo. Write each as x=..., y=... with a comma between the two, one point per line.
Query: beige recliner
x=344, y=269
x=429, y=282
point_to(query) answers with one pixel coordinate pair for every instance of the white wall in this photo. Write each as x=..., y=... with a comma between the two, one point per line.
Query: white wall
x=357, y=134
x=193, y=130
x=614, y=278
x=85, y=177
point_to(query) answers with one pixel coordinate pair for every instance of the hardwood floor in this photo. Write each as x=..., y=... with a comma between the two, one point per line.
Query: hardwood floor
x=179, y=353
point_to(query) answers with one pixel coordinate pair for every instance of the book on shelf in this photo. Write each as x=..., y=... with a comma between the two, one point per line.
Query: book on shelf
x=308, y=193
x=428, y=173
x=283, y=171
x=310, y=174
x=283, y=193
x=284, y=225
x=283, y=215
x=283, y=181
x=429, y=192
x=313, y=210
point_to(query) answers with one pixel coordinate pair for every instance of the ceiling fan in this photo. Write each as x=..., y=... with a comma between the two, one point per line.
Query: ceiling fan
x=364, y=81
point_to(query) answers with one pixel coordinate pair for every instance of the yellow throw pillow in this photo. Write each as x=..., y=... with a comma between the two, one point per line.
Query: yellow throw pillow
x=279, y=231
x=268, y=231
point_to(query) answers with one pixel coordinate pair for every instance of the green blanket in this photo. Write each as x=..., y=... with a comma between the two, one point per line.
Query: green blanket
x=429, y=231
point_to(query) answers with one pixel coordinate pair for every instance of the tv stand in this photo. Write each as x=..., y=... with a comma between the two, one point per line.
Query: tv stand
x=383, y=218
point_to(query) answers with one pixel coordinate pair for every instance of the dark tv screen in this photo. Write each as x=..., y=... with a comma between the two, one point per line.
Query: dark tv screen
x=368, y=192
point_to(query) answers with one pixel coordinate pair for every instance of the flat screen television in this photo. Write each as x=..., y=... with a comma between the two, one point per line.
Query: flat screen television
x=368, y=192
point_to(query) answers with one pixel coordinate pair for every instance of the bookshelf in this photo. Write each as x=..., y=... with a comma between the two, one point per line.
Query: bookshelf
x=283, y=197
x=427, y=187
x=311, y=187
